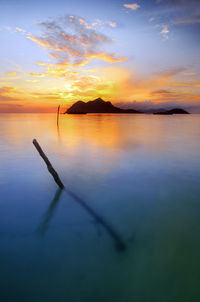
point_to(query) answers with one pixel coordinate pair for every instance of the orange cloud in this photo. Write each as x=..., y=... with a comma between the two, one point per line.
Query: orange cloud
x=181, y=84
x=20, y=29
x=32, y=81
x=7, y=89
x=39, y=75
x=133, y=6
x=75, y=47
x=171, y=72
x=11, y=73
x=189, y=73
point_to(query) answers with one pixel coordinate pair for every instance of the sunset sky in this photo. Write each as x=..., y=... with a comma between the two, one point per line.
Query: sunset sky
x=142, y=54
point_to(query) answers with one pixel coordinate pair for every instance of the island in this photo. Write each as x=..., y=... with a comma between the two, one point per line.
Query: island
x=172, y=111
x=97, y=106
x=100, y=106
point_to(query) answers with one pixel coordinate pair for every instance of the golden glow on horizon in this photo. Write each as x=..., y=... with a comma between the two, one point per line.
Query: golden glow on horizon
x=113, y=83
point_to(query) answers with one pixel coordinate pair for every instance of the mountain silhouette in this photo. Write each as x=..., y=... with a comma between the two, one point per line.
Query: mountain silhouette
x=172, y=111
x=97, y=106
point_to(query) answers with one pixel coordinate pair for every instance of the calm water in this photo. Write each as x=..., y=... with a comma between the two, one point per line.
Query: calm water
x=139, y=173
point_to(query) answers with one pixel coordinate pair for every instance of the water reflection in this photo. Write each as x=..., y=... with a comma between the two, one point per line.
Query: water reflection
x=98, y=219
x=110, y=132
x=44, y=225
x=140, y=173
x=119, y=243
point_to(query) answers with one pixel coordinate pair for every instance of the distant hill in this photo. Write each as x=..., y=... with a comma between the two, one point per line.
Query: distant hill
x=97, y=106
x=172, y=111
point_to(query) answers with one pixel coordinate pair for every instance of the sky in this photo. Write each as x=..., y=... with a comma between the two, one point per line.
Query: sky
x=137, y=54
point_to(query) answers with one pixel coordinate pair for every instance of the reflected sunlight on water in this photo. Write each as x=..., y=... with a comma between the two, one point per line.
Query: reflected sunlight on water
x=139, y=172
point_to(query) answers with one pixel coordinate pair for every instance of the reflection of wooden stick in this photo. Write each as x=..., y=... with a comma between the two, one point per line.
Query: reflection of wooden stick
x=49, y=165
x=119, y=243
x=49, y=214
x=58, y=111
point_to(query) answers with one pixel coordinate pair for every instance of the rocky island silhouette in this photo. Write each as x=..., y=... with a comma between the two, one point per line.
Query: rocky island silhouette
x=97, y=106
x=100, y=106
x=172, y=111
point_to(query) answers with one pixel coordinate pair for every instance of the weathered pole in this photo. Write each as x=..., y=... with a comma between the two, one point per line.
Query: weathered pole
x=110, y=230
x=58, y=112
x=49, y=165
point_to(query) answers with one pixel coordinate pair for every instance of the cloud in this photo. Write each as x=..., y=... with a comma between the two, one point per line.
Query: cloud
x=7, y=89
x=102, y=23
x=31, y=81
x=193, y=19
x=177, y=2
x=133, y=6
x=19, y=29
x=15, y=105
x=171, y=72
x=150, y=106
x=112, y=24
x=6, y=93
x=165, y=31
x=164, y=93
x=189, y=73
x=113, y=82
x=72, y=42
x=39, y=75
x=182, y=84
x=171, y=13
x=11, y=73
x=5, y=98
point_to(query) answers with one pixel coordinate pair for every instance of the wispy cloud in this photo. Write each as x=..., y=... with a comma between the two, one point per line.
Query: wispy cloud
x=112, y=24
x=7, y=93
x=7, y=89
x=165, y=74
x=178, y=2
x=165, y=31
x=189, y=73
x=150, y=106
x=132, y=6
x=72, y=42
x=19, y=29
x=102, y=23
x=11, y=73
x=192, y=19
x=39, y=75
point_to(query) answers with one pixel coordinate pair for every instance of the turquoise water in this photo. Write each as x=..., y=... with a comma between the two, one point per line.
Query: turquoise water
x=138, y=173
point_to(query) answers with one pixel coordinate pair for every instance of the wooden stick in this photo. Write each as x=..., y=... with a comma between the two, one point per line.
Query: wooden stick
x=58, y=111
x=49, y=165
x=119, y=242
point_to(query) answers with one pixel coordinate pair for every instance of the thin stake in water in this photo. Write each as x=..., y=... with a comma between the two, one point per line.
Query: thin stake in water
x=119, y=242
x=58, y=112
x=49, y=165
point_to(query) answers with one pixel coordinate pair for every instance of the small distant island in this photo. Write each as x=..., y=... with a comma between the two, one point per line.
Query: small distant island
x=97, y=106
x=100, y=106
x=172, y=111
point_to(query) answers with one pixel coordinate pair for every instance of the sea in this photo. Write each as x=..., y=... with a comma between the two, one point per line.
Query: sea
x=127, y=225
